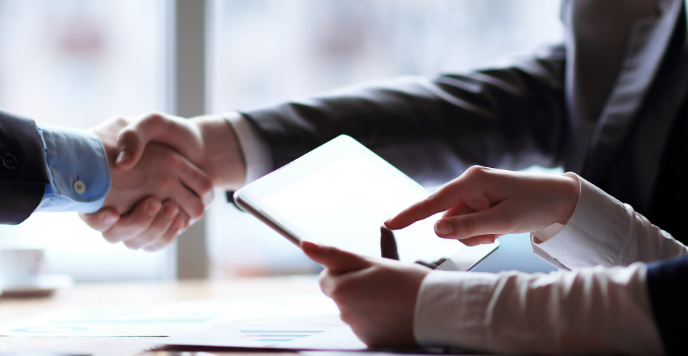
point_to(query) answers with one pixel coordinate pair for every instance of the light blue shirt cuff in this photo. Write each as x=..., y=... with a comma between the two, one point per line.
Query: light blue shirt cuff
x=78, y=168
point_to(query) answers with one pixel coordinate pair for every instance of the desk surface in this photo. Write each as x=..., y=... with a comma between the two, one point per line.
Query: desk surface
x=131, y=294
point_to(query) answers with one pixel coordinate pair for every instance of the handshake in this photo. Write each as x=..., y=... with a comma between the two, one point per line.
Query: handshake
x=163, y=169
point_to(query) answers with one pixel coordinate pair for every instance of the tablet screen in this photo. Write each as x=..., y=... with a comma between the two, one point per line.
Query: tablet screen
x=344, y=204
x=340, y=195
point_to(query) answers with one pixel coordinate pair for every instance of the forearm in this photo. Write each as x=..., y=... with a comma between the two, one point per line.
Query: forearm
x=603, y=231
x=509, y=116
x=594, y=310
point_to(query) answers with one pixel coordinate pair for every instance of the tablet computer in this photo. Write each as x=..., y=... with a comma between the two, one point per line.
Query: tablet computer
x=340, y=194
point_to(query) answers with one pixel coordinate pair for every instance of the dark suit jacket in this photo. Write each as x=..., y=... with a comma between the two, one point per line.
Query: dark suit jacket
x=600, y=104
x=23, y=171
x=667, y=283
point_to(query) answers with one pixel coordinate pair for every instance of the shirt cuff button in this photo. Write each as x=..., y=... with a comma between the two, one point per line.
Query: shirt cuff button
x=79, y=187
x=9, y=161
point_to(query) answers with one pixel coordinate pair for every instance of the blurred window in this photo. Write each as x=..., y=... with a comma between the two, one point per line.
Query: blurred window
x=266, y=51
x=75, y=63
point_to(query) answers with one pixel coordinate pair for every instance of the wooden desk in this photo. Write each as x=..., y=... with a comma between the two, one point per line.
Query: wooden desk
x=132, y=294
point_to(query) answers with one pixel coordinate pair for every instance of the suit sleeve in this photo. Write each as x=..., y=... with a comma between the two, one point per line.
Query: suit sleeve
x=23, y=170
x=511, y=115
x=667, y=283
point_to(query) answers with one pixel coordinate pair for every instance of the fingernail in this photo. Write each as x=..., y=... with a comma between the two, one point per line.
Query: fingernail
x=443, y=227
x=121, y=157
x=170, y=211
x=153, y=208
x=110, y=219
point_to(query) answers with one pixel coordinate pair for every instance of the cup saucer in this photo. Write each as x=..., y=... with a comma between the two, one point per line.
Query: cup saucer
x=43, y=285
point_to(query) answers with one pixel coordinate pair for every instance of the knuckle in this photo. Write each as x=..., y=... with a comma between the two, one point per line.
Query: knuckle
x=326, y=284
x=467, y=224
x=128, y=135
x=111, y=237
x=150, y=241
x=133, y=244
x=202, y=184
x=470, y=242
x=120, y=121
x=185, y=219
x=474, y=170
x=477, y=172
x=153, y=118
x=196, y=210
x=168, y=238
x=433, y=197
x=205, y=184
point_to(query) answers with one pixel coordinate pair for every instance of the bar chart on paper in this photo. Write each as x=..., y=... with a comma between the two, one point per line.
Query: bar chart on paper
x=273, y=338
x=318, y=333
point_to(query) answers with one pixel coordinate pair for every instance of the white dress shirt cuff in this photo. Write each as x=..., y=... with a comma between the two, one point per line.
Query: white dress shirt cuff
x=255, y=150
x=595, y=234
x=591, y=310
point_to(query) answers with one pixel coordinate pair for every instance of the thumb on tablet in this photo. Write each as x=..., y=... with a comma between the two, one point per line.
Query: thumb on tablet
x=334, y=259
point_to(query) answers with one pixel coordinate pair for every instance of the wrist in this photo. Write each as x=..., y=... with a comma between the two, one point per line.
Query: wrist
x=223, y=159
x=570, y=192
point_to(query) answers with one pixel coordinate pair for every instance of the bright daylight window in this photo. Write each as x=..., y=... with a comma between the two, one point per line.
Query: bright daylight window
x=77, y=62
x=271, y=50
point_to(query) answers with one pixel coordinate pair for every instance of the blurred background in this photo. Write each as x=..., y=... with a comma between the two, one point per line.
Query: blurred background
x=77, y=62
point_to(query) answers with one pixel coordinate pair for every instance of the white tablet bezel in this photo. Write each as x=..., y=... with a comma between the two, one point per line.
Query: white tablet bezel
x=249, y=196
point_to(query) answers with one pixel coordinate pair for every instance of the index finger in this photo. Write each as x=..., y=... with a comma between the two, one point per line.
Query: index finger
x=441, y=200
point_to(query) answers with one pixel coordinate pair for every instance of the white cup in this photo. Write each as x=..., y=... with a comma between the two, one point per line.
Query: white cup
x=21, y=266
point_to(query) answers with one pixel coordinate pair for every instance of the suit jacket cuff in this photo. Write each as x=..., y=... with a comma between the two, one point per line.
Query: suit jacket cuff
x=23, y=173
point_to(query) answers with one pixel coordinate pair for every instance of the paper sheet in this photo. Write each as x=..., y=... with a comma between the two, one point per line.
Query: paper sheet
x=315, y=333
x=167, y=319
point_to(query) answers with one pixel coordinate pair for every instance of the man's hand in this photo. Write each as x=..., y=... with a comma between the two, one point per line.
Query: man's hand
x=376, y=297
x=207, y=141
x=161, y=174
x=484, y=203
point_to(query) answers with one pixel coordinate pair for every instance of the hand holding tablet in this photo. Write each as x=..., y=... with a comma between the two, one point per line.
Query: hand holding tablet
x=339, y=195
